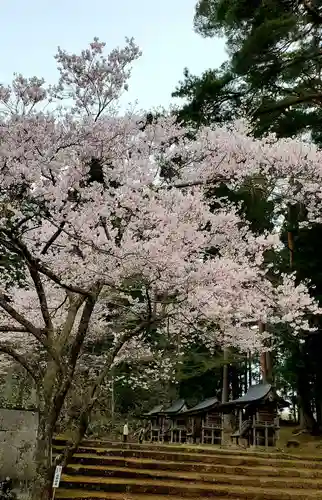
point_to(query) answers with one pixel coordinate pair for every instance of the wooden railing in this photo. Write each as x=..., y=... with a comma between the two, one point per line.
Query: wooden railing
x=244, y=426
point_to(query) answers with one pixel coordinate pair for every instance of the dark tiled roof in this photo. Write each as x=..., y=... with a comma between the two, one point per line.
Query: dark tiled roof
x=176, y=407
x=155, y=411
x=203, y=405
x=254, y=393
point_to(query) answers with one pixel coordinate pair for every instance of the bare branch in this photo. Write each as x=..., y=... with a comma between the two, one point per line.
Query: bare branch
x=75, y=350
x=75, y=289
x=118, y=346
x=31, y=263
x=30, y=368
x=10, y=328
x=36, y=332
x=104, y=226
x=83, y=325
x=70, y=320
x=150, y=312
x=21, y=249
x=90, y=402
x=42, y=298
x=53, y=238
x=63, y=302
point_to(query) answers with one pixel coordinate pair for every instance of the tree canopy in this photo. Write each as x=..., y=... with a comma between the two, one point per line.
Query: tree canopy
x=274, y=70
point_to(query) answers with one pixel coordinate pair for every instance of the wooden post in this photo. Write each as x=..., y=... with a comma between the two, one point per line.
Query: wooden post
x=266, y=435
x=202, y=430
x=263, y=359
x=224, y=396
x=112, y=399
x=225, y=389
x=250, y=374
x=276, y=430
x=222, y=429
x=269, y=367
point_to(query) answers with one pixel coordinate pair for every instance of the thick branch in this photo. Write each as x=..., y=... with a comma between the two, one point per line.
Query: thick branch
x=70, y=320
x=88, y=407
x=31, y=263
x=53, y=238
x=289, y=101
x=22, y=249
x=6, y=349
x=11, y=328
x=115, y=351
x=36, y=332
x=74, y=353
x=41, y=297
x=71, y=288
x=83, y=325
x=148, y=303
x=181, y=185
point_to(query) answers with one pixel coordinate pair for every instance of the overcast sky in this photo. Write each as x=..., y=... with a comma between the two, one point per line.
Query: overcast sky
x=31, y=30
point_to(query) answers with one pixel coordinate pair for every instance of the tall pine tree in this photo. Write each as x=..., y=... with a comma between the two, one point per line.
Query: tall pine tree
x=273, y=76
x=274, y=70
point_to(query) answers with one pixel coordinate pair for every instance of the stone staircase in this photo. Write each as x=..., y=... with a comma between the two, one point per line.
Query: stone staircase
x=149, y=472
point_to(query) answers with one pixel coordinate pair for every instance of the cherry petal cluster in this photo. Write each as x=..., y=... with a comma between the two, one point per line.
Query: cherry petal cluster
x=86, y=204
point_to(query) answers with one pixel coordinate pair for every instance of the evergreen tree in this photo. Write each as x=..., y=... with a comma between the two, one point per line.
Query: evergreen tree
x=273, y=76
x=274, y=70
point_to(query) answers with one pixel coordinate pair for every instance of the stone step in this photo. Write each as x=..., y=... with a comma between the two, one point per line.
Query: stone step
x=93, y=495
x=107, y=462
x=162, y=475
x=59, y=443
x=186, y=489
x=90, y=454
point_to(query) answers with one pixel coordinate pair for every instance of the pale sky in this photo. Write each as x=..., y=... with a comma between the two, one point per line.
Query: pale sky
x=31, y=30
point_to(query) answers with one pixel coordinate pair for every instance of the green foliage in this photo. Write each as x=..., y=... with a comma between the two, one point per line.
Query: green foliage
x=216, y=97
x=274, y=70
x=273, y=77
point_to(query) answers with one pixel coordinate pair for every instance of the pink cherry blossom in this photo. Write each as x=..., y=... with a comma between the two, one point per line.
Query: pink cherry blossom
x=87, y=243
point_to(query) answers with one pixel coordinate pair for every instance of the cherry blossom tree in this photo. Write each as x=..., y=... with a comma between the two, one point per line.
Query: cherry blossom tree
x=107, y=246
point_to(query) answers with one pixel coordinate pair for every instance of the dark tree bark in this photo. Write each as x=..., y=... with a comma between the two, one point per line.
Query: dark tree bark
x=307, y=420
x=235, y=385
x=42, y=486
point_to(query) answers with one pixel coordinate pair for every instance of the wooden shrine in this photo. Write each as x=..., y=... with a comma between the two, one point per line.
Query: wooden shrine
x=204, y=422
x=174, y=426
x=165, y=424
x=256, y=413
x=154, y=423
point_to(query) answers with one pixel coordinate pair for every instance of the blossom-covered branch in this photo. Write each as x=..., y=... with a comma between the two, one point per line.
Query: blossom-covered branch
x=109, y=223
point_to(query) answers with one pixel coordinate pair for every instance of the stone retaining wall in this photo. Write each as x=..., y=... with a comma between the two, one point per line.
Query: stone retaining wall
x=18, y=432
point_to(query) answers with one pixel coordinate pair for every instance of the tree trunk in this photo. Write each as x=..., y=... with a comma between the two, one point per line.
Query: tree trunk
x=112, y=399
x=225, y=389
x=250, y=371
x=263, y=357
x=225, y=380
x=235, y=385
x=80, y=432
x=269, y=367
x=246, y=375
x=307, y=419
x=42, y=489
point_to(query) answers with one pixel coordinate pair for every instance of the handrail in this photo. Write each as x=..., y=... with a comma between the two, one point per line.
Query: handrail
x=244, y=426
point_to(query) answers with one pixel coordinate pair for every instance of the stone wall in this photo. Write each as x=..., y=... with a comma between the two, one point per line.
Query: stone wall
x=18, y=432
